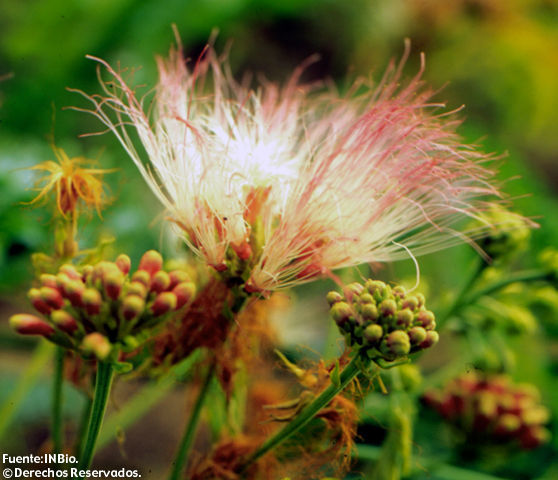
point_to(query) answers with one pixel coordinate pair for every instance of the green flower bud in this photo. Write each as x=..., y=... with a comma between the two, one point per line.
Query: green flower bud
x=96, y=344
x=366, y=298
x=397, y=343
x=417, y=335
x=431, y=339
x=341, y=312
x=411, y=303
x=388, y=308
x=373, y=333
x=399, y=292
x=404, y=318
x=370, y=312
x=426, y=319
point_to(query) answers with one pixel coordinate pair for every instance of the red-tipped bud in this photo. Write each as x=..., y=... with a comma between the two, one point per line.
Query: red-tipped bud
x=64, y=321
x=398, y=343
x=534, y=437
x=151, y=262
x=164, y=303
x=417, y=335
x=507, y=424
x=30, y=325
x=96, y=344
x=160, y=281
x=404, y=318
x=142, y=276
x=178, y=276
x=48, y=280
x=36, y=299
x=184, y=292
x=73, y=291
x=132, y=307
x=431, y=339
x=87, y=272
x=123, y=263
x=102, y=269
x=71, y=271
x=426, y=319
x=243, y=251
x=341, y=312
x=388, y=308
x=52, y=297
x=136, y=288
x=92, y=301
x=112, y=282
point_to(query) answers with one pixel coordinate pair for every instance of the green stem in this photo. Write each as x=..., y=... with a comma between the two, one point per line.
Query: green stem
x=40, y=358
x=348, y=373
x=144, y=400
x=105, y=373
x=57, y=400
x=84, y=420
x=191, y=426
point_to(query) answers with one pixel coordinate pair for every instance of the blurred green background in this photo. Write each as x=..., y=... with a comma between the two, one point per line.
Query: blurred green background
x=498, y=57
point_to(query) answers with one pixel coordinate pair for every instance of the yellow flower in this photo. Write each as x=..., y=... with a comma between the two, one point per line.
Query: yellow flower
x=71, y=183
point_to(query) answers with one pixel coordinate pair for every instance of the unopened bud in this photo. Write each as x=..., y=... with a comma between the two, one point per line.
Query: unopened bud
x=431, y=339
x=87, y=272
x=160, y=281
x=399, y=291
x=151, y=262
x=164, y=303
x=64, y=321
x=132, y=307
x=507, y=424
x=404, y=318
x=366, y=298
x=333, y=297
x=96, y=344
x=123, y=263
x=48, y=280
x=74, y=292
x=70, y=271
x=353, y=289
x=178, y=276
x=92, y=301
x=426, y=319
x=184, y=292
x=420, y=299
x=142, y=277
x=373, y=333
x=534, y=437
x=30, y=325
x=377, y=289
x=535, y=416
x=136, y=288
x=411, y=303
x=398, y=343
x=112, y=282
x=341, y=312
x=36, y=299
x=370, y=312
x=52, y=297
x=388, y=308
x=417, y=335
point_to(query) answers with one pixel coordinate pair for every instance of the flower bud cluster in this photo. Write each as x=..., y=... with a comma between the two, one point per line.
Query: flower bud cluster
x=381, y=321
x=493, y=409
x=91, y=308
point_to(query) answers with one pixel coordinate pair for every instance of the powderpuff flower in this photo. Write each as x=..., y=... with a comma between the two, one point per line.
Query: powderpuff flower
x=279, y=185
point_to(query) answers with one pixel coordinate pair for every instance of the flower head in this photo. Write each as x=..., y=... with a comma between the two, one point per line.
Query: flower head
x=71, y=183
x=278, y=185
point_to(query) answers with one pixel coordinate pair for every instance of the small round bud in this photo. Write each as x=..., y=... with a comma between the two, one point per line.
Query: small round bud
x=388, y=308
x=398, y=343
x=151, y=262
x=417, y=335
x=366, y=298
x=112, y=282
x=184, y=292
x=36, y=299
x=92, y=301
x=70, y=271
x=52, y=297
x=26, y=324
x=164, y=303
x=87, y=272
x=341, y=312
x=96, y=344
x=370, y=312
x=136, y=288
x=142, y=276
x=73, y=291
x=431, y=339
x=411, y=303
x=353, y=289
x=178, y=276
x=420, y=299
x=507, y=424
x=123, y=263
x=538, y=415
x=534, y=437
x=160, y=281
x=399, y=292
x=64, y=321
x=373, y=333
x=132, y=307
x=334, y=297
x=48, y=280
x=404, y=318
x=426, y=319
x=377, y=289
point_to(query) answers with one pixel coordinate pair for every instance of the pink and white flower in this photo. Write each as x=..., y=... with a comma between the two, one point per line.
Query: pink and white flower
x=287, y=183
